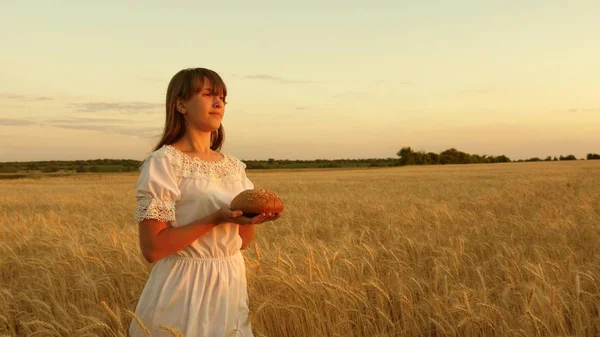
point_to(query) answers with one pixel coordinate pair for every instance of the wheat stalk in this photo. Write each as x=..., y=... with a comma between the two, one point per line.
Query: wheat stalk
x=138, y=321
x=172, y=331
x=94, y=326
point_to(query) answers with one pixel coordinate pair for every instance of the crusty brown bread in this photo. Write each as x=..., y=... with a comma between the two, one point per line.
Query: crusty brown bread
x=255, y=201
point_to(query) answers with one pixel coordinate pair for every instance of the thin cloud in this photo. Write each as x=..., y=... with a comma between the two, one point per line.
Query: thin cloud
x=140, y=132
x=123, y=107
x=15, y=122
x=348, y=94
x=583, y=110
x=477, y=91
x=266, y=77
x=306, y=108
x=11, y=96
x=394, y=82
x=25, y=98
x=362, y=93
x=77, y=120
x=84, y=127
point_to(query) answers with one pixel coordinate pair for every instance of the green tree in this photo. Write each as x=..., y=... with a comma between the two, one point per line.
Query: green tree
x=406, y=155
x=433, y=158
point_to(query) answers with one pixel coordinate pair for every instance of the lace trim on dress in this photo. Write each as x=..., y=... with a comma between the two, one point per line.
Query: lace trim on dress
x=227, y=169
x=154, y=208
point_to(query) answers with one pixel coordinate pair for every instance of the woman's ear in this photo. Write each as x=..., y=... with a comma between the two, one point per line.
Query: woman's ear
x=181, y=107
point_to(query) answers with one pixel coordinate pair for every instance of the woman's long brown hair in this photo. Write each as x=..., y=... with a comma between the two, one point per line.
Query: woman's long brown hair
x=183, y=85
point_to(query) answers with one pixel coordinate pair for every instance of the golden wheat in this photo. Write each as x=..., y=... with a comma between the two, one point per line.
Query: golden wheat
x=462, y=250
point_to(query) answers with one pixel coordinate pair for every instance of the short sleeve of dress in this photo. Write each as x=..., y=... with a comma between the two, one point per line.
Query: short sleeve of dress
x=157, y=190
x=248, y=185
x=246, y=182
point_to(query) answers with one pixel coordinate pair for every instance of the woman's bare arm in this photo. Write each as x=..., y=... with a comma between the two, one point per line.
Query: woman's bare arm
x=158, y=240
x=247, y=234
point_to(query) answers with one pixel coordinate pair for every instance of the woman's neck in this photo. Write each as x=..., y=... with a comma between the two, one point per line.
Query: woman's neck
x=194, y=141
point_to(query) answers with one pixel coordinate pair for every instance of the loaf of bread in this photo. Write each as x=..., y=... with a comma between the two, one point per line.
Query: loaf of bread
x=253, y=202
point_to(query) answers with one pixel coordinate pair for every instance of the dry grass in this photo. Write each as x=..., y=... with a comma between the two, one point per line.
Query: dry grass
x=478, y=250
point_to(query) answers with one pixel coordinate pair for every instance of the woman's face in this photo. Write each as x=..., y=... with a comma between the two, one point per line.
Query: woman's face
x=204, y=110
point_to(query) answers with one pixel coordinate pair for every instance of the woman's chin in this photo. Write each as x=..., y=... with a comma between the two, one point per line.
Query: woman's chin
x=215, y=127
x=209, y=127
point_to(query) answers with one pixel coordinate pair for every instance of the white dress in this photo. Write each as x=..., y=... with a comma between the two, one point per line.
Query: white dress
x=201, y=290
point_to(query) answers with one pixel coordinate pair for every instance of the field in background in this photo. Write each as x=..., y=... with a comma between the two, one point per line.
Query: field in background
x=460, y=250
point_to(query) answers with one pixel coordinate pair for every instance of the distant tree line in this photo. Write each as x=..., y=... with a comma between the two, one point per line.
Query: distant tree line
x=405, y=156
x=272, y=163
x=550, y=158
x=451, y=156
x=74, y=166
x=590, y=156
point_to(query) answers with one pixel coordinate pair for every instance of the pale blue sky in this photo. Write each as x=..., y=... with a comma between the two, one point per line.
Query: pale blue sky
x=306, y=79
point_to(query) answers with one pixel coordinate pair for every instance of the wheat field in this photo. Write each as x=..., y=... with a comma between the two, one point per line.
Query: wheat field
x=459, y=250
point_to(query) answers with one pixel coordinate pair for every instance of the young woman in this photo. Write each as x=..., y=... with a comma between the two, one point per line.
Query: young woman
x=198, y=284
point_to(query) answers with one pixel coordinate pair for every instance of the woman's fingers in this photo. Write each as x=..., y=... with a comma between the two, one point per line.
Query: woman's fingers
x=263, y=217
x=275, y=216
x=271, y=217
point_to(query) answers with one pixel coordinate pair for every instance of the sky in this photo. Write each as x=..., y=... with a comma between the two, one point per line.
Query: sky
x=306, y=79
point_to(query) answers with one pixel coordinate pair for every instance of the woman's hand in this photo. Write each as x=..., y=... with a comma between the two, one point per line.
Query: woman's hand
x=224, y=214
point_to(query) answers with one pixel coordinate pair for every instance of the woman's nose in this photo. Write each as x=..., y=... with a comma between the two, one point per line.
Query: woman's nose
x=217, y=101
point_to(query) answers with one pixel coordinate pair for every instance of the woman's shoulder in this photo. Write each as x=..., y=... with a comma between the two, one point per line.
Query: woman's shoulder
x=165, y=154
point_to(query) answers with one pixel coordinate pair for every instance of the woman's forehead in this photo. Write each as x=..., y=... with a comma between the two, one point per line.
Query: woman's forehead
x=207, y=84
